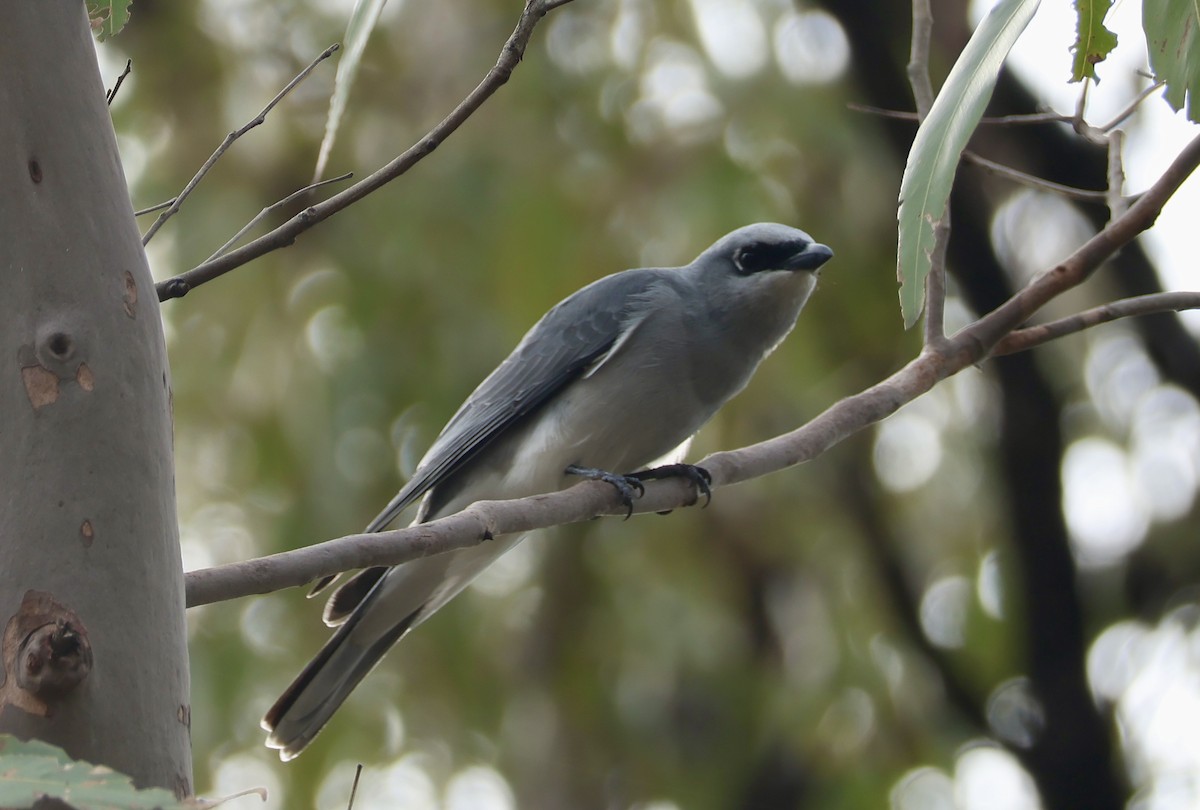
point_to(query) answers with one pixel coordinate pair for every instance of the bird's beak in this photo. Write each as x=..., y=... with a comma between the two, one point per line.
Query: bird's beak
x=811, y=258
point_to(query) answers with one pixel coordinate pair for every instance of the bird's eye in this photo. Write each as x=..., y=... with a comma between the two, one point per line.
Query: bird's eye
x=747, y=260
x=759, y=257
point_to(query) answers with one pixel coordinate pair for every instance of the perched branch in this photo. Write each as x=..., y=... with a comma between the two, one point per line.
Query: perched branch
x=487, y=519
x=288, y=200
x=510, y=55
x=111, y=94
x=1152, y=304
x=230, y=138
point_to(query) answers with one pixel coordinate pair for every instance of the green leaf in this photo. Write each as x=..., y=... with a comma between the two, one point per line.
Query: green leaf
x=108, y=17
x=358, y=31
x=940, y=141
x=33, y=770
x=1173, y=43
x=1093, y=42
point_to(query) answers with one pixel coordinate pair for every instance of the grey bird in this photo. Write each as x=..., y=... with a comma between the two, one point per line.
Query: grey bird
x=613, y=379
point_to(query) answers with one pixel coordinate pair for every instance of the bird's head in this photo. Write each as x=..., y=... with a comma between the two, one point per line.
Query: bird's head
x=765, y=247
x=765, y=269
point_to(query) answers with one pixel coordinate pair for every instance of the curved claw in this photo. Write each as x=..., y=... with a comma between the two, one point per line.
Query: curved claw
x=700, y=478
x=627, y=486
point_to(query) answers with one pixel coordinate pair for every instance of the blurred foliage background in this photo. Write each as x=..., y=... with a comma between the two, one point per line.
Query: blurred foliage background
x=986, y=601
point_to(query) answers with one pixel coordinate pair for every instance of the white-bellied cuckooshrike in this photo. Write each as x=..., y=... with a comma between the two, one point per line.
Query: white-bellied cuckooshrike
x=614, y=378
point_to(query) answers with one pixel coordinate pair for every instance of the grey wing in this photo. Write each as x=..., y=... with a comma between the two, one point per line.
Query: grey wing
x=557, y=350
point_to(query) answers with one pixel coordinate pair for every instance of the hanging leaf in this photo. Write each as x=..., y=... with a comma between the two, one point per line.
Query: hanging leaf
x=1093, y=42
x=1173, y=44
x=108, y=17
x=940, y=140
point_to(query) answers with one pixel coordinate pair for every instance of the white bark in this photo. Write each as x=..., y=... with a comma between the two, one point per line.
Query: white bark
x=87, y=502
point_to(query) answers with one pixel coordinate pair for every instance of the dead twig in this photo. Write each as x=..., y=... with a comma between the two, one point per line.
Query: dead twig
x=285, y=234
x=1033, y=181
x=111, y=94
x=230, y=138
x=288, y=200
x=154, y=208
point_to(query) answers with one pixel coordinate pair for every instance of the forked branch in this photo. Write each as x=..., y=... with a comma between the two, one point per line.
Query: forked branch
x=510, y=55
x=177, y=203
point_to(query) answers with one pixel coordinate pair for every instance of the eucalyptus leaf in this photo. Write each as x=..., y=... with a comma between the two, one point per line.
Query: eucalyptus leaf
x=358, y=31
x=1093, y=41
x=940, y=140
x=108, y=17
x=32, y=771
x=1173, y=45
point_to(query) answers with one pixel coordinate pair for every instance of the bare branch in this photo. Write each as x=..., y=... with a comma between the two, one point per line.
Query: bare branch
x=1033, y=181
x=934, y=329
x=493, y=518
x=111, y=94
x=354, y=787
x=1047, y=117
x=288, y=200
x=285, y=234
x=918, y=57
x=1133, y=105
x=996, y=120
x=1081, y=108
x=1117, y=204
x=154, y=208
x=1000, y=169
x=1151, y=304
x=233, y=136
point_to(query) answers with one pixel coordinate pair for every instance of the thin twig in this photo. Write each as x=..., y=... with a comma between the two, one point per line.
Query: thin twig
x=1133, y=105
x=154, y=208
x=354, y=787
x=1081, y=106
x=1117, y=203
x=995, y=120
x=295, y=195
x=233, y=136
x=1016, y=175
x=918, y=57
x=966, y=348
x=111, y=94
x=285, y=234
x=1048, y=117
x=1152, y=304
x=934, y=329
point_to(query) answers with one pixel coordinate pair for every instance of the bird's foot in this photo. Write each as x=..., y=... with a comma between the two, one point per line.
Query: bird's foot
x=628, y=486
x=698, y=476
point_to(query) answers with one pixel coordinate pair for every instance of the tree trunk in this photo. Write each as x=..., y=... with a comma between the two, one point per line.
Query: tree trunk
x=91, y=590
